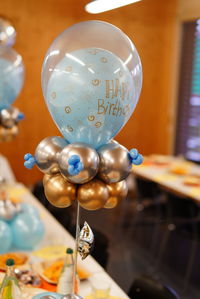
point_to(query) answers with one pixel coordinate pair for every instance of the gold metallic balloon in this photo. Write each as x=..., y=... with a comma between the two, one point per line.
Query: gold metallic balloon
x=115, y=163
x=93, y=195
x=117, y=192
x=9, y=117
x=8, y=134
x=46, y=154
x=11, y=133
x=59, y=192
x=46, y=178
x=14, y=131
x=2, y=134
x=88, y=157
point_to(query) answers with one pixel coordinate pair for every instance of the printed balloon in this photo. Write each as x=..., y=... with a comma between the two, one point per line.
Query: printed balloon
x=91, y=85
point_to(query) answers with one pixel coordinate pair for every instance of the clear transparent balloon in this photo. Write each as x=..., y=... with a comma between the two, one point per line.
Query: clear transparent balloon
x=91, y=80
x=11, y=74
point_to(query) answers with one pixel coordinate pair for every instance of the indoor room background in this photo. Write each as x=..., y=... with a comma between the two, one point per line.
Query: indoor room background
x=155, y=26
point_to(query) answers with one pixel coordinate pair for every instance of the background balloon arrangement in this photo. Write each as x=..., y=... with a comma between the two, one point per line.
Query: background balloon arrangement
x=20, y=226
x=91, y=80
x=11, y=82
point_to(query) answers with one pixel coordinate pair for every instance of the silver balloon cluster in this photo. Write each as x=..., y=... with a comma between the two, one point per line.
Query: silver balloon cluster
x=97, y=178
x=9, y=119
x=8, y=209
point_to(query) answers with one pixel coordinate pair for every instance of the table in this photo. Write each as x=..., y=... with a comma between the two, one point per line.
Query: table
x=55, y=232
x=162, y=175
x=5, y=170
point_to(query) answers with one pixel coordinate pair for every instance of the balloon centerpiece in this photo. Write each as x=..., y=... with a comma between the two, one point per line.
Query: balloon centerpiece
x=20, y=224
x=12, y=78
x=91, y=81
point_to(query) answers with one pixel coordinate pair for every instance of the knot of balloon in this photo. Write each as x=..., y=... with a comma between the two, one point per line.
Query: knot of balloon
x=136, y=157
x=29, y=161
x=75, y=165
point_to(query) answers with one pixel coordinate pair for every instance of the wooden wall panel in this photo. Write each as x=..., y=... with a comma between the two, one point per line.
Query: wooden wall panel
x=149, y=23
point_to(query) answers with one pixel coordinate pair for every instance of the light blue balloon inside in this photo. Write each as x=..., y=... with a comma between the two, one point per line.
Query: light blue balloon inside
x=91, y=95
x=28, y=230
x=11, y=81
x=5, y=237
x=30, y=209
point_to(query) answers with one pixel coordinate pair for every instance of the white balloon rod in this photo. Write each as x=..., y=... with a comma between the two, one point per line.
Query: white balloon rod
x=76, y=247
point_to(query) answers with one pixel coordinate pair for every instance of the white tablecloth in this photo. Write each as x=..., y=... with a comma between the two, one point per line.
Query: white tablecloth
x=57, y=234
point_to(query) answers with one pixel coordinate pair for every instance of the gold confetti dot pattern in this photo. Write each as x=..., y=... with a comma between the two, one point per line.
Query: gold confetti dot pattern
x=104, y=59
x=68, y=68
x=98, y=124
x=53, y=95
x=93, y=51
x=70, y=129
x=91, y=117
x=96, y=82
x=68, y=109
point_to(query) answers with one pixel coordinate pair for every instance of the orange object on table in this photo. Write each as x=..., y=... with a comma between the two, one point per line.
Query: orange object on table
x=47, y=286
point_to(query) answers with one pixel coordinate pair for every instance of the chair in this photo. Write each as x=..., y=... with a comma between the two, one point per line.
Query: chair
x=146, y=287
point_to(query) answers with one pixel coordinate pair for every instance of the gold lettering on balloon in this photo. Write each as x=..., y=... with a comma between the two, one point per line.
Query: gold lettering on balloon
x=68, y=69
x=120, y=73
x=98, y=124
x=104, y=59
x=68, y=109
x=91, y=117
x=53, y=95
x=93, y=51
x=70, y=129
x=115, y=88
x=115, y=109
x=96, y=82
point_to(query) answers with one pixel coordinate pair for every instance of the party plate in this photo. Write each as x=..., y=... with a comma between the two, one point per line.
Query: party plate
x=28, y=293
x=50, y=270
x=20, y=259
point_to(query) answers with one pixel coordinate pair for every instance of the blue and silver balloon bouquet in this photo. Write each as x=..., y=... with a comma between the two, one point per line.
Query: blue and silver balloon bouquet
x=11, y=82
x=91, y=81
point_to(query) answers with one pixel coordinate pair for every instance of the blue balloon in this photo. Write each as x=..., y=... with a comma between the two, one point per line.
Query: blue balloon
x=30, y=209
x=91, y=97
x=5, y=237
x=28, y=230
x=12, y=76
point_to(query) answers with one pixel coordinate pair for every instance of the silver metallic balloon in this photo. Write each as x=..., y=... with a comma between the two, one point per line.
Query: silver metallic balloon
x=115, y=163
x=86, y=240
x=8, y=209
x=89, y=158
x=47, y=152
x=9, y=117
x=7, y=33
